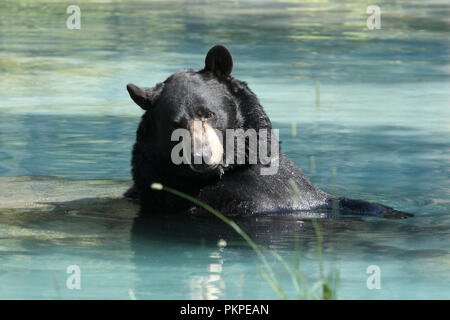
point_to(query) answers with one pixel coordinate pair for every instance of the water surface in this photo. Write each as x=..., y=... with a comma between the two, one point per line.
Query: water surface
x=379, y=132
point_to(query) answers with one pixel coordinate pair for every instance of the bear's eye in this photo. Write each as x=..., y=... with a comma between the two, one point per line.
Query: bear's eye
x=209, y=115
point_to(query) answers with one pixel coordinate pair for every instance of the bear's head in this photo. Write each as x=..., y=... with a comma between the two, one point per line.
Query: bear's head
x=203, y=104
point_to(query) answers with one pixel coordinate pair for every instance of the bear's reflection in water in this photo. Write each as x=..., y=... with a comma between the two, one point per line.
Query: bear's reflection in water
x=194, y=246
x=181, y=251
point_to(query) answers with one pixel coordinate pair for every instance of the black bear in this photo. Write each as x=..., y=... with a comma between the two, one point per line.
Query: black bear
x=206, y=105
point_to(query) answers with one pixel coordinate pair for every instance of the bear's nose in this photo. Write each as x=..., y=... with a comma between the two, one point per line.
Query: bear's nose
x=207, y=148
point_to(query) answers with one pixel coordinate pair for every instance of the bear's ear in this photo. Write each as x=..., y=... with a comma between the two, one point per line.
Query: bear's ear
x=219, y=61
x=144, y=96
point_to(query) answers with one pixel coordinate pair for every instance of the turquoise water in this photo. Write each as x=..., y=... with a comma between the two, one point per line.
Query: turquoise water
x=380, y=132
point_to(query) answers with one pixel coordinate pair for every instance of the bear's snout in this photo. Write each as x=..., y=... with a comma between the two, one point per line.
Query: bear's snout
x=206, y=146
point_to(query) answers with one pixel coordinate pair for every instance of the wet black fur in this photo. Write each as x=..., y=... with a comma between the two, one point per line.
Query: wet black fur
x=232, y=189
